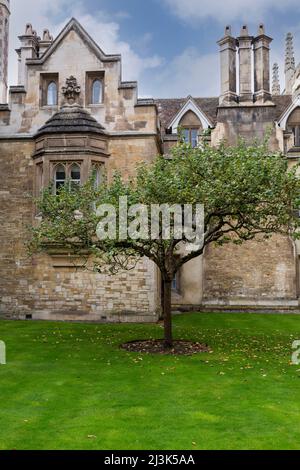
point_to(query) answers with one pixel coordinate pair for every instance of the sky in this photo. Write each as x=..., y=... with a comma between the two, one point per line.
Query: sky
x=169, y=46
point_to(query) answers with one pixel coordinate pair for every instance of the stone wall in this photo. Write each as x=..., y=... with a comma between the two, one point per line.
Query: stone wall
x=16, y=188
x=256, y=271
x=60, y=290
x=248, y=122
x=51, y=287
x=126, y=152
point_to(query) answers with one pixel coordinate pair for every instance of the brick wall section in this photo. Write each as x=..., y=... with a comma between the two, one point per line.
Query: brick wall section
x=255, y=270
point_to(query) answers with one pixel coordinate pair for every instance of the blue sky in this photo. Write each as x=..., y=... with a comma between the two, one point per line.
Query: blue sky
x=169, y=46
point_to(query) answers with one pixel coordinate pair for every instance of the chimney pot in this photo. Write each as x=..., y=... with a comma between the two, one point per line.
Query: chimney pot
x=244, y=31
x=28, y=30
x=228, y=30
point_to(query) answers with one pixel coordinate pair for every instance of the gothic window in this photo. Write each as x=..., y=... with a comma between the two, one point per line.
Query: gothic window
x=66, y=174
x=52, y=94
x=97, y=92
x=97, y=172
x=75, y=177
x=94, y=88
x=49, y=89
x=59, y=177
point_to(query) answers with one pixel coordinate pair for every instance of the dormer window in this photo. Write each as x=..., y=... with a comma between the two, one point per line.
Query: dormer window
x=97, y=92
x=190, y=126
x=293, y=125
x=190, y=136
x=52, y=94
x=296, y=132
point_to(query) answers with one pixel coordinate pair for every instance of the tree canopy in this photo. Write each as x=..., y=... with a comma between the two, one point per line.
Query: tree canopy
x=245, y=191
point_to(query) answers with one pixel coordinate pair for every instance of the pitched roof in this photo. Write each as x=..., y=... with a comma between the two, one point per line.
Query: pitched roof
x=282, y=103
x=169, y=108
x=74, y=25
x=71, y=119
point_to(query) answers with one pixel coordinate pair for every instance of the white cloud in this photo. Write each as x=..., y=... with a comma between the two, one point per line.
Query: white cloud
x=189, y=74
x=106, y=32
x=229, y=10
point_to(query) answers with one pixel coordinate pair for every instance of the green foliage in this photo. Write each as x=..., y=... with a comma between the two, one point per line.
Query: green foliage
x=246, y=191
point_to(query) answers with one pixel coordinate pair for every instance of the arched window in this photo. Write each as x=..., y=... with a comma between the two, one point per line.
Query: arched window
x=75, y=177
x=52, y=94
x=69, y=173
x=97, y=92
x=59, y=177
x=97, y=174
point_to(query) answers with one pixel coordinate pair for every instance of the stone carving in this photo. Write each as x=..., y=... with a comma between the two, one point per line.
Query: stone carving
x=72, y=90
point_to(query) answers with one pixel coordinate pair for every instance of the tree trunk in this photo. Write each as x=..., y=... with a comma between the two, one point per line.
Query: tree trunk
x=168, y=313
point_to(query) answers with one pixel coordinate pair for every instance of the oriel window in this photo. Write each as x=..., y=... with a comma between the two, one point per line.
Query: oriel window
x=67, y=173
x=75, y=177
x=59, y=177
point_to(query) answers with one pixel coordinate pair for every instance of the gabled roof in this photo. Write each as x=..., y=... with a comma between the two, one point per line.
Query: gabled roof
x=74, y=25
x=287, y=111
x=168, y=109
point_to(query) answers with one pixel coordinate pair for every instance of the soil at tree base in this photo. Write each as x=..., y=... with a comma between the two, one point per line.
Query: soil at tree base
x=183, y=348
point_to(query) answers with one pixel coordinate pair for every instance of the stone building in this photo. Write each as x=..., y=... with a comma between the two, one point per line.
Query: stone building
x=67, y=118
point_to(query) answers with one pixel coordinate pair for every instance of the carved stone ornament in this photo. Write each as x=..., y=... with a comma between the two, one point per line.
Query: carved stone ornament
x=72, y=90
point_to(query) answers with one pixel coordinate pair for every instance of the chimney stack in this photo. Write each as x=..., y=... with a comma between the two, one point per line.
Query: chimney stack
x=228, y=48
x=28, y=50
x=45, y=42
x=261, y=48
x=245, y=58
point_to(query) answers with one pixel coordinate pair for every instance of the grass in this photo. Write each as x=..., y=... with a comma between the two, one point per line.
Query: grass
x=69, y=386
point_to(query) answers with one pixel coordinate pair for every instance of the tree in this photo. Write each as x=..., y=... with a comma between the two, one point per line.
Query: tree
x=246, y=192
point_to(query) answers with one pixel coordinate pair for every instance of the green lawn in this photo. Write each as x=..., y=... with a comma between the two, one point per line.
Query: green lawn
x=69, y=386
